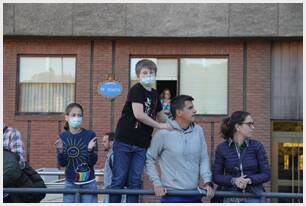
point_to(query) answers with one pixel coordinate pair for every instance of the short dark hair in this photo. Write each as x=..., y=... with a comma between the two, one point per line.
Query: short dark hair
x=178, y=103
x=145, y=63
x=228, y=124
x=111, y=136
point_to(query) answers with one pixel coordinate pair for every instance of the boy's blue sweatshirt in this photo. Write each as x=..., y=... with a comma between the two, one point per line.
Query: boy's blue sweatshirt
x=78, y=161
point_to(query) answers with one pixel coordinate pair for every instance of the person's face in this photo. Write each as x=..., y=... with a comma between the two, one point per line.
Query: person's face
x=144, y=72
x=188, y=112
x=246, y=128
x=106, y=143
x=75, y=112
x=167, y=94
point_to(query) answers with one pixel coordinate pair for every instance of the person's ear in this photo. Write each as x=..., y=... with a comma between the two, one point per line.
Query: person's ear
x=237, y=127
x=178, y=113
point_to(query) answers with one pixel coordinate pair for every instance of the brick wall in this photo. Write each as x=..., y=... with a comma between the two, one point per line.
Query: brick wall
x=43, y=129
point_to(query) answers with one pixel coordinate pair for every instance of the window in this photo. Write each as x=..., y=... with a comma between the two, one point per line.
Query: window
x=205, y=79
x=46, y=84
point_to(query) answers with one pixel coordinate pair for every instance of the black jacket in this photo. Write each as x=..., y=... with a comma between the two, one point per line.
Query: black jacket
x=13, y=176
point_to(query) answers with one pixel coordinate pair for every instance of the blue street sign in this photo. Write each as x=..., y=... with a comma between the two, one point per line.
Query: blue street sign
x=110, y=88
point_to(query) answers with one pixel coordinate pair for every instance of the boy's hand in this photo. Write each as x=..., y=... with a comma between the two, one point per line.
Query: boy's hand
x=160, y=190
x=59, y=145
x=165, y=126
x=92, y=144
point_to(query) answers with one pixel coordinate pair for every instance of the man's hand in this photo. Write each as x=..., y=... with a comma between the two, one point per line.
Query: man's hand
x=160, y=190
x=210, y=192
x=92, y=144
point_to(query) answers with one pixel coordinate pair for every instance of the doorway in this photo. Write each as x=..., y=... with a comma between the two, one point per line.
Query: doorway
x=287, y=159
x=169, y=84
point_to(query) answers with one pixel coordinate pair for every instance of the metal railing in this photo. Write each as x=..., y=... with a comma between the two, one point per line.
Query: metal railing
x=78, y=192
x=62, y=172
x=59, y=173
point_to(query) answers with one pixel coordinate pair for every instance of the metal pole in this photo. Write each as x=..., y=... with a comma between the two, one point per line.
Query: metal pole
x=262, y=199
x=148, y=192
x=77, y=196
x=212, y=147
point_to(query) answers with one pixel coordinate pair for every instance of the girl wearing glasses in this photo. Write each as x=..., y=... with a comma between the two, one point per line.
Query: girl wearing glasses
x=241, y=163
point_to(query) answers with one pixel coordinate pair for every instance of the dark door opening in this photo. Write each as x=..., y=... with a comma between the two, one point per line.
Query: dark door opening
x=163, y=84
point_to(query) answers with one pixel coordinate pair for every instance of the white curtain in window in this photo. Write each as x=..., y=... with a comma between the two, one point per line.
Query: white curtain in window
x=45, y=97
x=206, y=80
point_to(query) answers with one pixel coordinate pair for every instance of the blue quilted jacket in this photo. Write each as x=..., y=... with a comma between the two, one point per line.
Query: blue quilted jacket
x=254, y=161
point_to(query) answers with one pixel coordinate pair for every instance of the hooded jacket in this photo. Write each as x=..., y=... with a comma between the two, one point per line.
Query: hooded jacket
x=182, y=156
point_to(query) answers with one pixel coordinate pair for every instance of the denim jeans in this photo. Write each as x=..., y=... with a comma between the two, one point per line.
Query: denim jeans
x=128, y=166
x=85, y=198
x=106, y=199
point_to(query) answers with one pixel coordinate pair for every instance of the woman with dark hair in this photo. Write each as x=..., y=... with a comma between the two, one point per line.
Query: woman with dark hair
x=240, y=163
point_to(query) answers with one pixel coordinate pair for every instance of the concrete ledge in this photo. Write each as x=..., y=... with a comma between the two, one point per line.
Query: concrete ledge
x=154, y=20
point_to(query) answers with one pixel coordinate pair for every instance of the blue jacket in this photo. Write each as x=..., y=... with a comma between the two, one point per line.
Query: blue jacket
x=254, y=161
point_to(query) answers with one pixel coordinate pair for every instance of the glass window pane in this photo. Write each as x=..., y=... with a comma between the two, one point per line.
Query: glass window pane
x=54, y=73
x=166, y=69
x=288, y=126
x=31, y=68
x=46, y=83
x=206, y=80
x=69, y=66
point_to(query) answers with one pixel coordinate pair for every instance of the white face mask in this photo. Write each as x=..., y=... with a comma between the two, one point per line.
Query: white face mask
x=75, y=122
x=148, y=81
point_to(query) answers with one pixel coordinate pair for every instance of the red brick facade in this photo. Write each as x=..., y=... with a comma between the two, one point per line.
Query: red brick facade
x=44, y=129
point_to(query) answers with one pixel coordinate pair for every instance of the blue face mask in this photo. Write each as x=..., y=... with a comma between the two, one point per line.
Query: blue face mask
x=148, y=81
x=75, y=122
